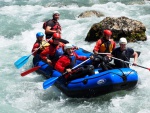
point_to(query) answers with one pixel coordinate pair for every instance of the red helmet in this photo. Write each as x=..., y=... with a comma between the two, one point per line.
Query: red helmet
x=56, y=36
x=107, y=32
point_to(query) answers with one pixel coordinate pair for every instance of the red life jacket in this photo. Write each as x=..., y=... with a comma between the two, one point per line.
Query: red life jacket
x=54, y=26
x=36, y=45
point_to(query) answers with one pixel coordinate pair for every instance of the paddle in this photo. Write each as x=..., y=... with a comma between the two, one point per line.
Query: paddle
x=138, y=52
x=130, y=63
x=23, y=60
x=52, y=80
x=31, y=70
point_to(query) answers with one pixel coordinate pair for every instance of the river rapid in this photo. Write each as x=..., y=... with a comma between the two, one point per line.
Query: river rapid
x=21, y=20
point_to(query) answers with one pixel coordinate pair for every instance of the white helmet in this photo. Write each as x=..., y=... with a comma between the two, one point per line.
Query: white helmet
x=56, y=12
x=123, y=40
x=67, y=46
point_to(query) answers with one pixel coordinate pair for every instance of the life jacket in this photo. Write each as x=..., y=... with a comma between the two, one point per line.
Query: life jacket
x=106, y=46
x=72, y=64
x=39, y=50
x=45, y=24
x=58, y=52
x=44, y=44
x=124, y=55
x=72, y=60
x=55, y=27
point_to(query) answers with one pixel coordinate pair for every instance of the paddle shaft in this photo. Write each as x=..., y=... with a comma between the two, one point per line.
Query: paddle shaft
x=104, y=53
x=143, y=67
x=121, y=60
x=110, y=53
x=81, y=63
x=77, y=65
x=130, y=63
x=20, y=62
x=52, y=80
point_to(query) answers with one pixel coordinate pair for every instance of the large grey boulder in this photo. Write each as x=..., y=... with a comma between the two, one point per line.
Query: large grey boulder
x=133, y=30
x=90, y=14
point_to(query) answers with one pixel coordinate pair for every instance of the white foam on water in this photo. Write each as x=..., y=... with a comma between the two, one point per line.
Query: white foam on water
x=26, y=94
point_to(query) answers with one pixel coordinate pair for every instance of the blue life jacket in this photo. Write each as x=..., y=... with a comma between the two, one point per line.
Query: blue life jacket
x=59, y=52
x=73, y=61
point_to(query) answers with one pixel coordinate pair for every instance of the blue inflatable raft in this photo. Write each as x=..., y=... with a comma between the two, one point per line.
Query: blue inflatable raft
x=102, y=82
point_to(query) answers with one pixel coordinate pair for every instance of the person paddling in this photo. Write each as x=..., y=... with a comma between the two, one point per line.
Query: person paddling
x=124, y=53
x=54, y=51
x=52, y=26
x=104, y=45
x=40, y=42
x=67, y=61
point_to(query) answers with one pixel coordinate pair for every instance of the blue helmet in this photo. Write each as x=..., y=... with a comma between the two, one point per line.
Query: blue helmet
x=39, y=34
